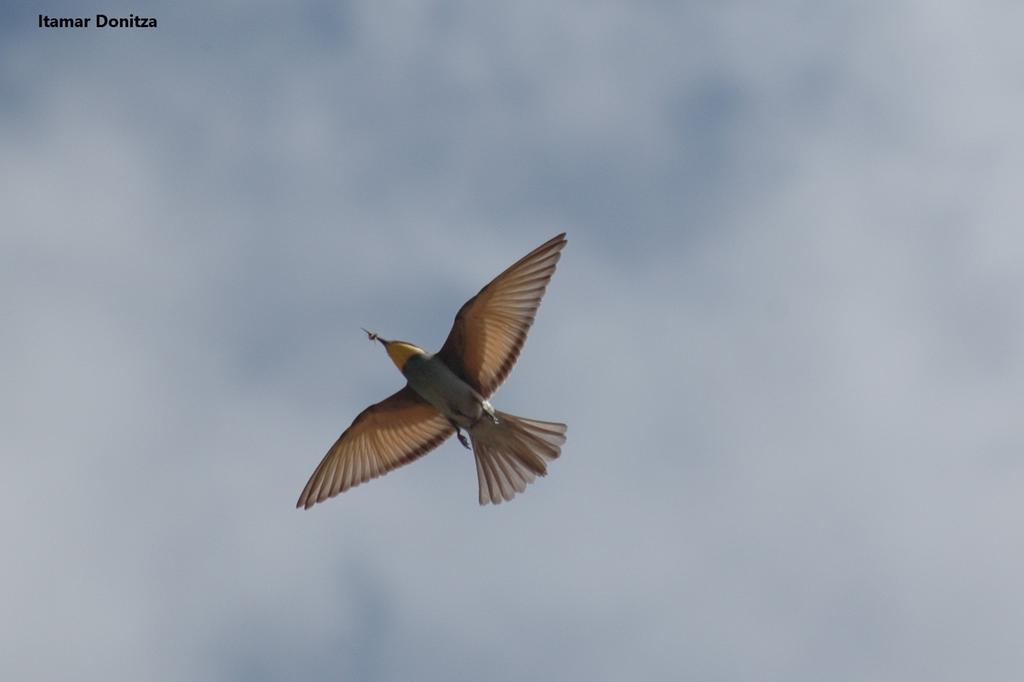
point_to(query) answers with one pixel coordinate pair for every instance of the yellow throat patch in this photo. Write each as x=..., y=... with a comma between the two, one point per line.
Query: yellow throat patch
x=401, y=351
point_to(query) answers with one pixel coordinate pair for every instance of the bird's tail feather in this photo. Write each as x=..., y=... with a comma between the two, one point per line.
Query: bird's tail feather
x=512, y=453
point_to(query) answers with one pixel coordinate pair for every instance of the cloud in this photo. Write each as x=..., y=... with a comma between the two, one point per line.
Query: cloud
x=784, y=336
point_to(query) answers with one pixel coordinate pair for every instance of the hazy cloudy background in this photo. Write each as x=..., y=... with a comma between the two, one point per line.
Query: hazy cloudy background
x=786, y=337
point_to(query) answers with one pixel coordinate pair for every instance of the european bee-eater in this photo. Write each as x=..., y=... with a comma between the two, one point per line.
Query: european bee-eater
x=447, y=392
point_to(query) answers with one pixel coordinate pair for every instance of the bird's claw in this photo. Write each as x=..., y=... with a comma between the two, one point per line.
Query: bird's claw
x=462, y=439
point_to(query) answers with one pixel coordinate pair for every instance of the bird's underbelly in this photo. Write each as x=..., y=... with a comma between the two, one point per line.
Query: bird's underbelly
x=443, y=389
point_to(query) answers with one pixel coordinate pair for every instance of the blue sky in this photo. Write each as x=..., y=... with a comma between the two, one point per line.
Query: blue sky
x=785, y=334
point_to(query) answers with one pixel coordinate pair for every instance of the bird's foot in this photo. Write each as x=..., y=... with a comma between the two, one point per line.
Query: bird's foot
x=458, y=432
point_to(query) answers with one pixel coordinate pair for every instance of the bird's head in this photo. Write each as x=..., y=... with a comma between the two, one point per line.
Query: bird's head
x=398, y=351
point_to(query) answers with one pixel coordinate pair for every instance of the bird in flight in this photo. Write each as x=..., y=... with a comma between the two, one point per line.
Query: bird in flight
x=447, y=393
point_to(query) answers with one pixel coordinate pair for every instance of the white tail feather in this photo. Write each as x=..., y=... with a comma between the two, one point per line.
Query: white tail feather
x=512, y=453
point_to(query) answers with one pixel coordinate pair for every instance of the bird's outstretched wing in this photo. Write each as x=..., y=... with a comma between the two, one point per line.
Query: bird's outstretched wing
x=383, y=437
x=490, y=329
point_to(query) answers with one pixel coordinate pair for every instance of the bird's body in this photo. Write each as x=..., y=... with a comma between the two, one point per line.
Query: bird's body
x=436, y=383
x=447, y=392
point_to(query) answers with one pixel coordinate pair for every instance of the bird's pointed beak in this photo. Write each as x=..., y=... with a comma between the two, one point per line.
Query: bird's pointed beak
x=375, y=337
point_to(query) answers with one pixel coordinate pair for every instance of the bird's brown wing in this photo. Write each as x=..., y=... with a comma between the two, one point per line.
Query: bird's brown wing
x=383, y=437
x=490, y=329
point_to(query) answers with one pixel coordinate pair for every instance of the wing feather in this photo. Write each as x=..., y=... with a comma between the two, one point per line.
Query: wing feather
x=386, y=435
x=490, y=329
